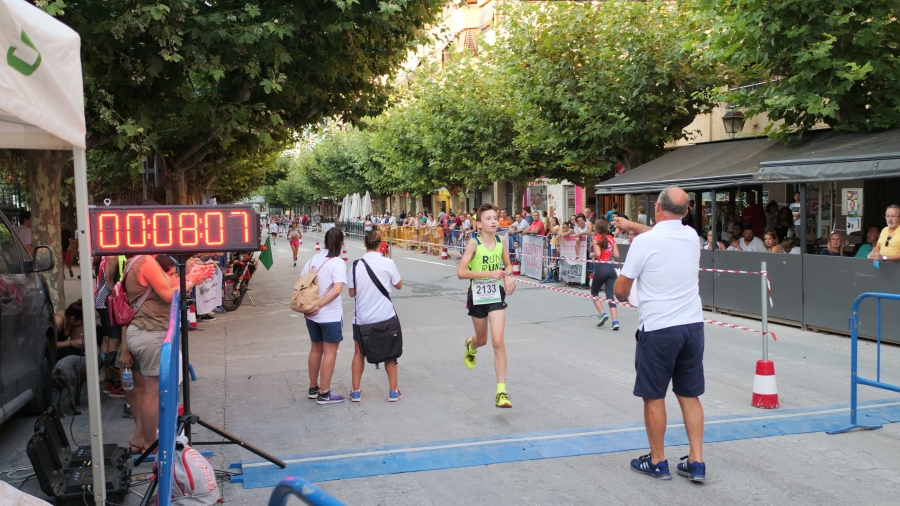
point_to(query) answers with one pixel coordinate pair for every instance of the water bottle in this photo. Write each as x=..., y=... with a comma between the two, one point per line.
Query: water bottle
x=127, y=379
x=876, y=264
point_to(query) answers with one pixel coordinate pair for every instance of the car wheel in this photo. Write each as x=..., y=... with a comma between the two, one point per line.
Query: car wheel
x=43, y=396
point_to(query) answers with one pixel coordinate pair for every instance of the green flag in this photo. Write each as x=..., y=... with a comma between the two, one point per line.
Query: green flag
x=265, y=257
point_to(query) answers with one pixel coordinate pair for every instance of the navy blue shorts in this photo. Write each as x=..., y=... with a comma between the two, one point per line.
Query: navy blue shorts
x=330, y=332
x=671, y=354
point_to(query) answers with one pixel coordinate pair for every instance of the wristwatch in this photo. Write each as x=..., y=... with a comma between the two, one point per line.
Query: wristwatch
x=884, y=257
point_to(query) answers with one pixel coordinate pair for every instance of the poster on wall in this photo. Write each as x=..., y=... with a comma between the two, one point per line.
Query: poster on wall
x=852, y=202
x=854, y=225
x=533, y=256
x=572, y=271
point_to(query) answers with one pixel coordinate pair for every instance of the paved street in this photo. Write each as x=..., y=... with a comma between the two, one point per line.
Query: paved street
x=564, y=373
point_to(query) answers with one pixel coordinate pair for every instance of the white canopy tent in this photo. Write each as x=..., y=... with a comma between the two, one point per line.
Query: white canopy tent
x=42, y=107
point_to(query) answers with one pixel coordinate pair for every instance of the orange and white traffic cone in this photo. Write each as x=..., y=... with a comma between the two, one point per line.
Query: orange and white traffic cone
x=516, y=269
x=192, y=316
x=344, y=255
x=444, y=253
x=765, y=391
x=317, y=246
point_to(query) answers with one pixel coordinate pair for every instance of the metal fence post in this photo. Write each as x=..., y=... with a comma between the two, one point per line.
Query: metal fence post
x=765, y=313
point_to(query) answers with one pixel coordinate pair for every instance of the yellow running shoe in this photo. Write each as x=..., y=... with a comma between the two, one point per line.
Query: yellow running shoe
x=469, y=358
x=503, y=400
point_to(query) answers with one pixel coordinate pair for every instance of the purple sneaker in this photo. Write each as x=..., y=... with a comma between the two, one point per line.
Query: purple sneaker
x=329, y=397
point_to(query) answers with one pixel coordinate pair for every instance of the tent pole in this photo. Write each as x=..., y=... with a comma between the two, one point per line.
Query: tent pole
x=83, y=235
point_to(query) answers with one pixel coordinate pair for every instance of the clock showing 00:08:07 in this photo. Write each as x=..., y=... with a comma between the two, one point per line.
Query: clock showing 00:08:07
x=123, y=230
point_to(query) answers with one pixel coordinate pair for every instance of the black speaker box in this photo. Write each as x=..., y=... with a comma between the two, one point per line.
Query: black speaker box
x=67, y=476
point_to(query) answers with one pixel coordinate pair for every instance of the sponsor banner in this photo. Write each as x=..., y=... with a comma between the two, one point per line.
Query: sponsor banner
x=532, y=256
x=569, y=271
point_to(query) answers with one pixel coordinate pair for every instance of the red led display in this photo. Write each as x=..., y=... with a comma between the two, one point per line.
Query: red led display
x=122, y=230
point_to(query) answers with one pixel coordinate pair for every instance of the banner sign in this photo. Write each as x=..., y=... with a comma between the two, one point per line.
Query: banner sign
x=209, y=294
x=569, y=271
x=532, y=256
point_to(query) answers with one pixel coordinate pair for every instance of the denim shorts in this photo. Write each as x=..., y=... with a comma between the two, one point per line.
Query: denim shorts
x=671, y=354
x=330, y=332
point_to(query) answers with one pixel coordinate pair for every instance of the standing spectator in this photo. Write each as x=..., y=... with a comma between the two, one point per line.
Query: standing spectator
x=24, y=231
x=391, y=220
x=835, y=245
x=614, y=209
x=771, y=241
x=729, y=220
x=751, y=243
x=604, y=249
x=504, y=219
x=688, y=219
x=665, y=262
x=886, y=249
x=642, y=216
x=429, y=222
x=754, y=215
x=537, y=225
x=367, y=223
x=795, y=209
x=108, y=274
x=150, y=290
x=66, y=254
x=440, y=217
x=546, y=219
x=784, y=224
x=325, y=325
x=402, y=216
x=871, y=241
x=371, y=306
x=553, y=234
x=771, y=215
x=581, y=228
x=526, y=213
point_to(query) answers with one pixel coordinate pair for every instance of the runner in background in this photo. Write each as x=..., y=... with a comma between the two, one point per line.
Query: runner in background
x=486, y=264
x=604, y=248
x=294, y=236
x=273, y=229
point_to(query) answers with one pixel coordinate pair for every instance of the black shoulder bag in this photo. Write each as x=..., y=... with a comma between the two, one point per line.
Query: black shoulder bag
x=382, y=341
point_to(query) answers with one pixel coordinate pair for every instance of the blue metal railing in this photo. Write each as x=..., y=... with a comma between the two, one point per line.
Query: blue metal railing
x=855, y=379
x=306, y=491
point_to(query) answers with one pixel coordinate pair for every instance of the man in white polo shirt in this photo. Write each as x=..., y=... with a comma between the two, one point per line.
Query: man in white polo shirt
x=662, y=268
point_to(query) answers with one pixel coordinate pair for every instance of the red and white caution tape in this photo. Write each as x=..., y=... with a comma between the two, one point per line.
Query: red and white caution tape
x=573, y=292
x=738, y=327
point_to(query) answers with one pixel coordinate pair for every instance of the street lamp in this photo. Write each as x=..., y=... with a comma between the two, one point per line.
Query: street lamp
x=734, y=121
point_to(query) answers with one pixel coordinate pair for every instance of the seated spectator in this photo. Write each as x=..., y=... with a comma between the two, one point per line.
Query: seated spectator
x=771, y=215
x=69, y=330
x=734, y=243
x=737, y=230
x=794, y=245
x=630, y=237
x=771, y=240
x=871, y=241
x=537, y=225
x=751, y=243
x=710, y=244
x=835, y=245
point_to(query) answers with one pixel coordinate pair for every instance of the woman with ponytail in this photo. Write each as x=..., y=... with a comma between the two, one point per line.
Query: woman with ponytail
x=604, y=249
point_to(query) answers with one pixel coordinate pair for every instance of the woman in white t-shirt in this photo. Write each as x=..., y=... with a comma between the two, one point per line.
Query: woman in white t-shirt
x=371, y=306
x=273, y=229
x=325, y=326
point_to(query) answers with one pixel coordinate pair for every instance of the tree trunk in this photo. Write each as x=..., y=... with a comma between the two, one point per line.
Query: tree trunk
x=518, y=194
x=176, y=188
x=45, y=169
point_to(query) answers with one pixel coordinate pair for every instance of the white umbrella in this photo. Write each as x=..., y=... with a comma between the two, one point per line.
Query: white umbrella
x=366, y=205
x=345, y=208
x=42, y=107
x=355, y=206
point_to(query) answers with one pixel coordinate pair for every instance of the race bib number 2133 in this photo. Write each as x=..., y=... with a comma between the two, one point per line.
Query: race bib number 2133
x=485, y=291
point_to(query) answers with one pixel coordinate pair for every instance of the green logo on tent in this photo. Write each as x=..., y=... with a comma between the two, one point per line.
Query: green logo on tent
x=20, y=65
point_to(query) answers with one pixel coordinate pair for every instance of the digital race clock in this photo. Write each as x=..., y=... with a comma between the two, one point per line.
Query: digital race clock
x=123, y=230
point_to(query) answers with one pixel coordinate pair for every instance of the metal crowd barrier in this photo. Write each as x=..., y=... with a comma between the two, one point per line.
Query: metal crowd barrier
x=302, y=489
x=168, y=403
x=855, y=379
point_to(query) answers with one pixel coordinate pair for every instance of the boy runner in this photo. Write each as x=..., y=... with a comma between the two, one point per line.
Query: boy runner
x=486, y=263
